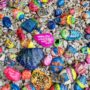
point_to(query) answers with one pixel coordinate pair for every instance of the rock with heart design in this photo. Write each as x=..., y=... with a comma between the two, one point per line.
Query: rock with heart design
x=45, y=39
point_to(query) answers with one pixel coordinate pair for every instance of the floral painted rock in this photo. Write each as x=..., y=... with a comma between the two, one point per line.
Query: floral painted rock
x=12, y=74
x=45, y=39
x=30, y=58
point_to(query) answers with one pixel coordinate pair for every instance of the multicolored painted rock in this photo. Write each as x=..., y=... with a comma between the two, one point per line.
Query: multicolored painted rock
x=80, y=83
x=28, y=87
x=18, y=14
x=13, y=86
x=71, y=35
x=35, y=5
x=70, y=51
x=58, y=87
x=68, y=75
x=57, y=64
x=12, y=74
x=85, y=50
x=57, y=51
x=45, y=39
x=86, y=15
x=81, y=68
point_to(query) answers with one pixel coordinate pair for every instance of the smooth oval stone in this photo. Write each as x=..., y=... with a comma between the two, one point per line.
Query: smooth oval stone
x=47, y=60
x=74, y=35
x=45, y=39
x=6, y=22
x=64, y=34
x=12, y=74
x=57, y=65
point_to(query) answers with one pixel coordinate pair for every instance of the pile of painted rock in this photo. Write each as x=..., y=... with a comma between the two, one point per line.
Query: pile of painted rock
x=44, y=44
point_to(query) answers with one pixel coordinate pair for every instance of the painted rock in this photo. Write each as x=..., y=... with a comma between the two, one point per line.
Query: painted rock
x=86, y=15
x=35, y=5
x=26, y=74
x=87, y=29
x=71, y=35
x=30, y=58
x=85, y=50
x=14, y=87
x=81, y=68
x=12, y=74
x=10, y=87
x=80, y=83
x=3, y=4
x=70, y=51
x=45, y=39
x=47, y=60
x=68, y=75
x=18, y=14
x=28, y=87
x=43, y=83
x=6, y=22
x=29, y=25
x=57, y=64
x=6, y=87
x=57, y=51
x=88, y=58
x=58, y=87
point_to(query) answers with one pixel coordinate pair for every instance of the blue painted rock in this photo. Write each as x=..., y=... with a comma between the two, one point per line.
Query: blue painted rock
x=80, y=83
x=57, y=64
x=14, y=87
x=70, y=51
x=6, y=22
x=71, y=35
x=30, y=58
x=60, y=3
x=29, y=25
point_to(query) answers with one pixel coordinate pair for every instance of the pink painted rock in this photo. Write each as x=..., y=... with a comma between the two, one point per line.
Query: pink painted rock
x=81, y=68
x=45, y=39
x=87, y=89
x=12, y=74
x=47, y=60
x=88, y=58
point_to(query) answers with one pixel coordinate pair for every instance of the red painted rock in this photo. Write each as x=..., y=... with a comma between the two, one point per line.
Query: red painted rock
x=87, y=30
x=45, y=39
x=12, y=74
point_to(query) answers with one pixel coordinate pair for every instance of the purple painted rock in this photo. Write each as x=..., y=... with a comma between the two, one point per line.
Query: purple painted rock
x=45, y=39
